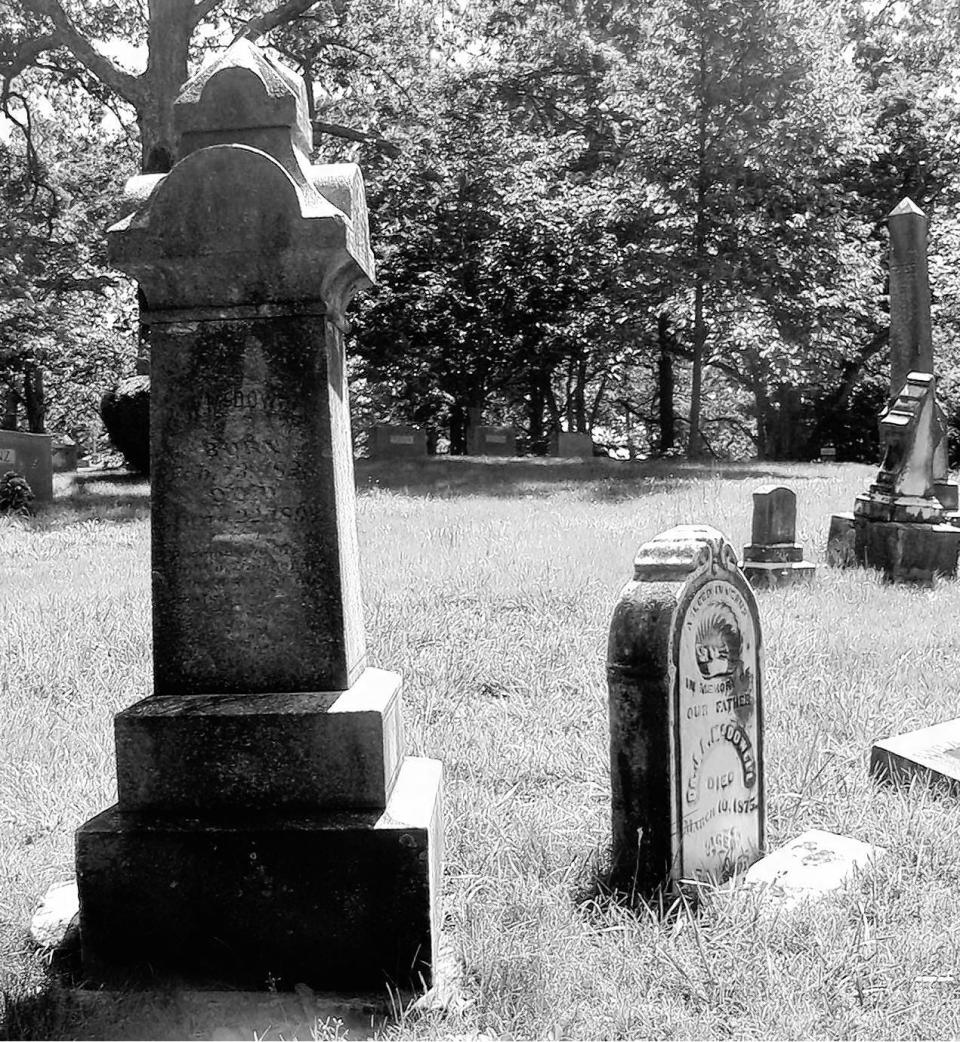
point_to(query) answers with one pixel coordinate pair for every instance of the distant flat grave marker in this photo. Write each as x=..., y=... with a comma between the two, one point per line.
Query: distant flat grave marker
x=684, y=670
x=931, y=753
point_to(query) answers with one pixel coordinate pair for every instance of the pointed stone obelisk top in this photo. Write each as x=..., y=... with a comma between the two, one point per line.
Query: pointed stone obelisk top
x=906, y=206
x=911, y=343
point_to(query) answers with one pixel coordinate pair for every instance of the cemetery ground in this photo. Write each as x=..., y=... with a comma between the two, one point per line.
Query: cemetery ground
x=490, y=587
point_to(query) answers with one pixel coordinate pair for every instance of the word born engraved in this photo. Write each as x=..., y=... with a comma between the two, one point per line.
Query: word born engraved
x=718, y=787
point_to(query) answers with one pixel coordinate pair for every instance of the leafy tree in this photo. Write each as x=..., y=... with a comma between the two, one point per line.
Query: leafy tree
x=65, y=321
x=69, y=40
x=744, y=115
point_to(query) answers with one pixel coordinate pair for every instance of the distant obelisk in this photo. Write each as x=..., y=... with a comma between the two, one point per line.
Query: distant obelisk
x=911, y=343
x=911, y=339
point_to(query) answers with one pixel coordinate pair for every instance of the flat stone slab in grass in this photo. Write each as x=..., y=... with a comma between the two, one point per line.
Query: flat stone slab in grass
x=932, y=753
x=811, y=866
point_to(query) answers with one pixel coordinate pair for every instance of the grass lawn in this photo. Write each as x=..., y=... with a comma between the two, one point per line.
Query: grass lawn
x=490, y=586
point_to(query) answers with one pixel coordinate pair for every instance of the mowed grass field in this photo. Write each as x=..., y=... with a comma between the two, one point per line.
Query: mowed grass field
x=490, y=587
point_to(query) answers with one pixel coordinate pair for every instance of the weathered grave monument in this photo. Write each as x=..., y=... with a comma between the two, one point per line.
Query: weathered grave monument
x=684, y=671
x=269, y=828
x=901, y=524
x=571, y=445
x=491, y=441
x=30, y=455
x=774, y=557
x=389, y=441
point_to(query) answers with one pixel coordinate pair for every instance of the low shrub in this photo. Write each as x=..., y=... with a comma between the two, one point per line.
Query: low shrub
x=15, y=494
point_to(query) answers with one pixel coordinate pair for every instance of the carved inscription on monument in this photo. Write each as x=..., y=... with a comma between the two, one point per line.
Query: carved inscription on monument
x=716, y=727
x=245, y=571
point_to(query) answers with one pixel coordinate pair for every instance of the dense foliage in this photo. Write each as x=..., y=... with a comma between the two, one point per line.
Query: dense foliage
x=663, y=223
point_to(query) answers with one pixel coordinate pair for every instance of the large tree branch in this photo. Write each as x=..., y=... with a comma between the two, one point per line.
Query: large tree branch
x=368, y=137
x=201, y=9
x=27, y=54
x=123, y=83
x=276, y=16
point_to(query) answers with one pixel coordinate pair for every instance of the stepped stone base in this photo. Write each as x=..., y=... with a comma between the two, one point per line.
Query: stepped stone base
x=332, y=900
x=903, y=551
x=947, y=494
x=285, y=752
x=770, y=574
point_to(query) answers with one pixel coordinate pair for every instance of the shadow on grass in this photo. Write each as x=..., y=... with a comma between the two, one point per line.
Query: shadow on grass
x=599, y=891
x=64, y=1007
x=97, y=496
x=603, y=480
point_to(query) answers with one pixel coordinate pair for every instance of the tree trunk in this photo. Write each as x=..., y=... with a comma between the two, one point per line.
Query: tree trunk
x=168, y=40
x=580, y=398
x=665, y=385
x=568, y=395
x=695, y=443
x=764, y=420
x=535, y=406
x=458, y=429
x=33, y=399
x=11, y=404
x=556, y=419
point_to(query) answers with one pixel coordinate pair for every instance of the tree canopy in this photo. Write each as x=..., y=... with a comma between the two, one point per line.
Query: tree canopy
x=662, y=223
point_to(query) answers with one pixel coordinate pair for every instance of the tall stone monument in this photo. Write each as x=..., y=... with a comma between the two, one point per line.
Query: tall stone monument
x=684, y=673
x=911, y=337
x=901, y=524
x=269, y=828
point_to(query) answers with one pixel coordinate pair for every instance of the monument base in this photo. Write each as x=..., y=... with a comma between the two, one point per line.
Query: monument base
x=904, y=552
x=772, y=574
x=948, y=494
x=259, y=900
x=193, y=755
x=880, y=505
x=841, y=552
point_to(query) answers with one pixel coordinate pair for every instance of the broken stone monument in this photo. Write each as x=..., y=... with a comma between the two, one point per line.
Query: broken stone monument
x=684, y=673
x=269, y=828
x=900, y=525
x=774, y=557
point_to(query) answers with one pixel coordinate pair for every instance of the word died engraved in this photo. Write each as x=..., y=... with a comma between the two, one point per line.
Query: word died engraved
x=718, y=785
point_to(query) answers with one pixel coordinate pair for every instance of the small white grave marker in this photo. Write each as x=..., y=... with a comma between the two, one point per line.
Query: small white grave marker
x=810, y=867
